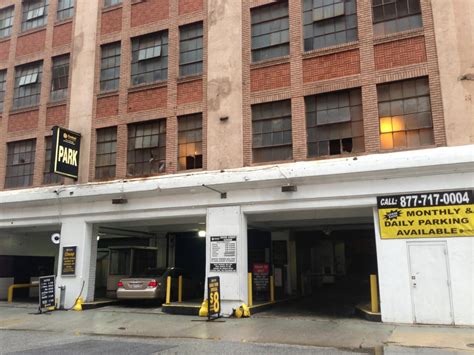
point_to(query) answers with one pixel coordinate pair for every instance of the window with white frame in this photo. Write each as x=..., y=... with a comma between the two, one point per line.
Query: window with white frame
x=27, y=85
x=6, y=21
x=149, y=58
x=65, y=9
x=35, y=14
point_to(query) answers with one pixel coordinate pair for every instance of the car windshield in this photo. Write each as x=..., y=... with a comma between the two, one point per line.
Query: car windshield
x=155, y=272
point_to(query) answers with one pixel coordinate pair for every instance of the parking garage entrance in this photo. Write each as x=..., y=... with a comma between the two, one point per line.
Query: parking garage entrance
x=150, y=250
x=321, y=267
x=25, y=255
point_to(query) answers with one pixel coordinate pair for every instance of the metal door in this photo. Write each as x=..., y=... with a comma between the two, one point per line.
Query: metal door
x=430, y=283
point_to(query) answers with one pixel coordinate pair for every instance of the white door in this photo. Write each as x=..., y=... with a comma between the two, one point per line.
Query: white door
x=430, y=283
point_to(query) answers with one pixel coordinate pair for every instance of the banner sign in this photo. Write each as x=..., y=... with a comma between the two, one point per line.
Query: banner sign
x=69, y=261
x=46, y=291
x=65, y=152
x=426, y=215
x=223, y=254
x=213, y=297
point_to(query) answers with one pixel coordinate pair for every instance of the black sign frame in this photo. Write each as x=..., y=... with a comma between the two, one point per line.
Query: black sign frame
x=47, y=292
x=214, y=304
x=68, y=266
x=65, y=152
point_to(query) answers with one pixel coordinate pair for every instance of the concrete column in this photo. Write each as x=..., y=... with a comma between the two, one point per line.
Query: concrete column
x=84, y=236
x=82, y=79
x=224, y=86
x=290, y=273
x=229, y=221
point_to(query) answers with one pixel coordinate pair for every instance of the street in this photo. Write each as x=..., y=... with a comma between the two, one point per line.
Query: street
x=119, y=330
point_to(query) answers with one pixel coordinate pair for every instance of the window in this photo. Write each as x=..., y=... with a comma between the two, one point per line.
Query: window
x=190, y=49
x=150, y=58
x=3, y=81
x=110, y=67
x=405, y=114
x=6, y=21
x=334, y=123
x=328, y=23
x=65, y=9
x=271, y=131
x=106, y=150
x=190, y=142
x=20, y=163
x=27, y=85
x=108, y=3
x=120, y=261
x=392, y=16
x=60, y=78
x=270, y=31
x=48, y=176
x=35, y=14
x=146, y=148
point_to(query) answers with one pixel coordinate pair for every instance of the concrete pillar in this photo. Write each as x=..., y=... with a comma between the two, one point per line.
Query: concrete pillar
x=84, y=236
x=290, y=274
x=229, y=221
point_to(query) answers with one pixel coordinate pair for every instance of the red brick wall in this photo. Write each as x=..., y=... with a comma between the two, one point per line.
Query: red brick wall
x=62, y=34
x=107, y=106
x=331, y=66
x=23, y=121
x=273, y=77
x=190, y=92
x=31, y=43
x=4, y=50
x=56, y=115
x=149, y=11
x=147, y=99
x=111, y=21
x=400, y=53
x=187, y=6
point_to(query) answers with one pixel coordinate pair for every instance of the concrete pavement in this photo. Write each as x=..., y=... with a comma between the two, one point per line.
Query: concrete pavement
x=265, y=328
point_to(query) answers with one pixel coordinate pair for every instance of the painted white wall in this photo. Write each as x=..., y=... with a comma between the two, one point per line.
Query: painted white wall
x=394, y=278
x=76, y=232
x=229, y=221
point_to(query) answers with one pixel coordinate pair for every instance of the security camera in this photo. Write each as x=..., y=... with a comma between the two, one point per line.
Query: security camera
x=56, y=238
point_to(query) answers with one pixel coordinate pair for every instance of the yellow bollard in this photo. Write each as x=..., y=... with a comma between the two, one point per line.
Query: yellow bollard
x=374, y=294
x=168, y=290
x=272, y=289
x=250, y=290
x=180, y=289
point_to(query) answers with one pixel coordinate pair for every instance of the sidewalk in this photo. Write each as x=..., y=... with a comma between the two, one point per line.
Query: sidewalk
x=262, y=328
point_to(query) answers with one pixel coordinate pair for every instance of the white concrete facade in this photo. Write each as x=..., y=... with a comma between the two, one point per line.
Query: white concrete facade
x=346, y=183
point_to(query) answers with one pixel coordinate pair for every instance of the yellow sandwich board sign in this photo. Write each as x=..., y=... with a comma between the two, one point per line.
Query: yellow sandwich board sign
x=426, y=215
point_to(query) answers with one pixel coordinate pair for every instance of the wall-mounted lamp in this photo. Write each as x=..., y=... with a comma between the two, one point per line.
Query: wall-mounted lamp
x=202, y=234
x=119, y=201
x=289, y=188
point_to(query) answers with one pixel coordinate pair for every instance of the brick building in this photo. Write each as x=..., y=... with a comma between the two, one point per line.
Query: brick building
x=179, y=101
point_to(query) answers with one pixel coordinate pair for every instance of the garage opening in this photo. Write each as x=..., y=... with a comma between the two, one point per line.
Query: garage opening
x=135, y=261
x=25, y=255
x=318, y=263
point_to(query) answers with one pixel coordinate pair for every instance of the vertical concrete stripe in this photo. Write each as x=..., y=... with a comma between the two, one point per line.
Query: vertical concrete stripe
x=82, y=79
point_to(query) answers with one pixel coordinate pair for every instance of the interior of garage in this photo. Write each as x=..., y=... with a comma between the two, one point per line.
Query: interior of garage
x=25, y=255
x=321, y=261
x=137, y=247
